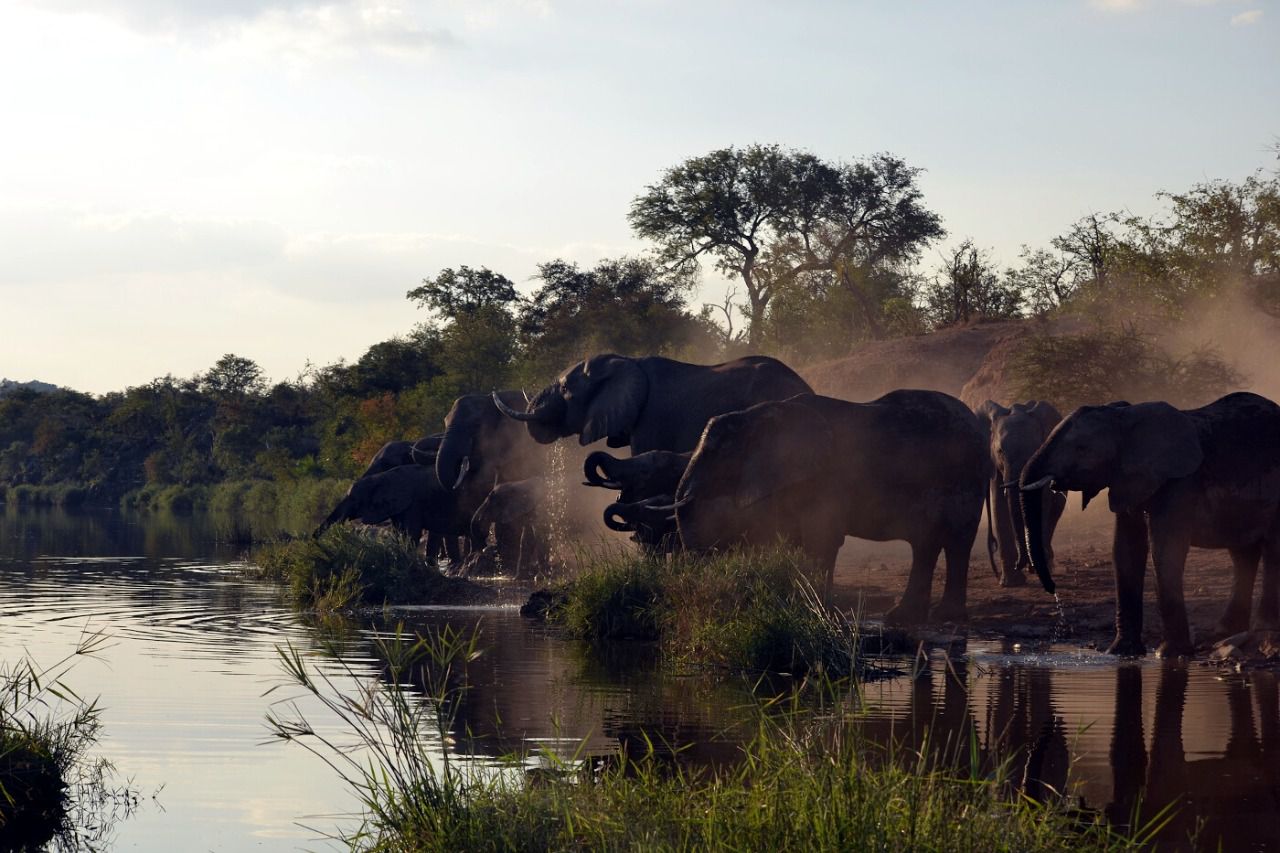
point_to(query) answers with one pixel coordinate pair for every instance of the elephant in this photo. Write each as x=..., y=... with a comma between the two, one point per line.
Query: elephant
x=1208, y=477
x=1015, y=434
x=640, y=478
x=512, y=510
x=409, y=497
x=393, y=454
x=650, y=403
x=911, y=465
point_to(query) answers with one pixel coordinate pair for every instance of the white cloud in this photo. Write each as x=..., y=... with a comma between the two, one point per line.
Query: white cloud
x=1245, y=19
x=306, y=29
x=1119, y=6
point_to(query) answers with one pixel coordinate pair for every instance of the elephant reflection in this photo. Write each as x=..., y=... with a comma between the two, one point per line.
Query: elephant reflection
x=1229, y=801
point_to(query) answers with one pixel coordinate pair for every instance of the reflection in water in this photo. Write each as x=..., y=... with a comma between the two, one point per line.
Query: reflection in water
x=185, y=692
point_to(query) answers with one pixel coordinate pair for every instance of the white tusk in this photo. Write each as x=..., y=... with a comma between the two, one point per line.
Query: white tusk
x=672, y=506
x=462, y=471
x=1038, y=484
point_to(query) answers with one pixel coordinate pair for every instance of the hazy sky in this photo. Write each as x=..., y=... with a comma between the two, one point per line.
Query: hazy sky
x=179, y=180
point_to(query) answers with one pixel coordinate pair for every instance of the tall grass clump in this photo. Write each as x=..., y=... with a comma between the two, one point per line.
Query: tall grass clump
x=46, y=729
x=352, y=564
x=1101, y=366
x=802, y=781
x=753, y=609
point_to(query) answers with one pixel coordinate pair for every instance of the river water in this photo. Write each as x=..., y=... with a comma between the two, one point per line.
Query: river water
x=187, y=679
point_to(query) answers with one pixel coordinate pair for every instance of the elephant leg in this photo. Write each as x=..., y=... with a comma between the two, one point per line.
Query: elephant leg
x=434, y=543
x=952, y=606
x=1129, y=553
x=1269, y=605
x=1011, y=573
x=1169, y=546
x=1244, y=565
x=452, y=551
x=914, y=606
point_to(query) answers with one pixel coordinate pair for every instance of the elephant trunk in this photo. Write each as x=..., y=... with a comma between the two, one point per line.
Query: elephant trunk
x=1016, y=502
x=615, y=520
x=597, y=473
x=453, y=459
x=545, y=415
x=1033, y=515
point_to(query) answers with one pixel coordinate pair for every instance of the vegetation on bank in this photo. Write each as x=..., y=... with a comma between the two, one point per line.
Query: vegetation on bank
x=746, y=610
x=45, y=732
x=351, y=565
x=805, y=781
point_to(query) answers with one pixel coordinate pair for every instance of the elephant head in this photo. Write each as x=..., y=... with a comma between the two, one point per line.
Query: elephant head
x=598, y=398
x=654, y=513
x=744, y=460
x=512, y=504
x=1015, y=434
x=479, y=445
x=644, y=475
x=1132, y=450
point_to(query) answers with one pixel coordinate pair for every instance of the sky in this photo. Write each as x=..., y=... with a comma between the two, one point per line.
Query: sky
x=180, y=180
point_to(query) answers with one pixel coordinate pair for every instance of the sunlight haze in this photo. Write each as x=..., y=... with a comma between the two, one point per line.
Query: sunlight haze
x=269, y=177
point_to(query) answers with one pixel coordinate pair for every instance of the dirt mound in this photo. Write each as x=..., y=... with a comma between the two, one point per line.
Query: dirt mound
x=942, y=361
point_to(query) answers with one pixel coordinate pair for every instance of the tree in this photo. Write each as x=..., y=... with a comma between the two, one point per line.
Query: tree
x=632, y=306
x=233, y=376
x=769, y=215
x=464, y=291
x=969, y=287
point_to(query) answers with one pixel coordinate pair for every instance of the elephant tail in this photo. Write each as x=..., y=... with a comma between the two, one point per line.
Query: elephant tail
x=991, y=533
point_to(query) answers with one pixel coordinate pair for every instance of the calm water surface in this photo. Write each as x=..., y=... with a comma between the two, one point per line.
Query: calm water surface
x=192, y=656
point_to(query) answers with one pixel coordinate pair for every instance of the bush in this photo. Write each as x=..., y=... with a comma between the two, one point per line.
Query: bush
x=753, y=610
x=353, y=564
x=1102, y=366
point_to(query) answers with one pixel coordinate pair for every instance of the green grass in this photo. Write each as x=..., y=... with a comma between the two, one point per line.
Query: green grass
x=754, y=610
x=350, y=565
x=45, y=730
x=805, y=781
x=61, y=495
x=247, y=511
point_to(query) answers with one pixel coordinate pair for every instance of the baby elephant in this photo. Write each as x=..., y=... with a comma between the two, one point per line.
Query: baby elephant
x=513, y=511
x=1015, y=434
x=643, y=481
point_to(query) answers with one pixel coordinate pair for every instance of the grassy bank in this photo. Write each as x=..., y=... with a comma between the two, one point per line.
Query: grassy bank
x=753, y=610
x=351, y=565
x=45, y=730
x=62, y=495
x=253, y=510
x=805, y=781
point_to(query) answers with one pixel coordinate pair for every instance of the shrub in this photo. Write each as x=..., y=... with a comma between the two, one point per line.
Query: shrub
x=1098, y=367
x=745, y=610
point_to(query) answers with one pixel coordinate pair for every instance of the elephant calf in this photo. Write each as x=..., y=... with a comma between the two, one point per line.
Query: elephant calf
x=513, y=511
x=1208, y=477
x=811, y=470
x=641, y=481
x=1015, y=435
x=408, y=497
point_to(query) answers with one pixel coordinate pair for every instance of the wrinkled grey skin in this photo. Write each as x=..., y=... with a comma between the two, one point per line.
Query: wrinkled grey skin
x=1015, y=434
x=393, y=454
x=408, y=497
x=1208, y=477
x=511, y=510
x=637, y=479
x=911, y=465
x=651, y=403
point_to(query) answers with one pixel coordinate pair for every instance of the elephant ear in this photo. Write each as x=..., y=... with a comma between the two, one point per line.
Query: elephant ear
x=1046, y=415
x=619, y=389
x=789, y=445
x=988, y=413
x=1158, y=444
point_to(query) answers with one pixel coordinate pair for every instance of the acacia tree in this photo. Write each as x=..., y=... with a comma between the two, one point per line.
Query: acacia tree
x=969, y=287
x=771, y=216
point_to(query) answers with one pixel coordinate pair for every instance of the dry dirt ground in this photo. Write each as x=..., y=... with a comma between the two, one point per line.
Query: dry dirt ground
x=874, y=581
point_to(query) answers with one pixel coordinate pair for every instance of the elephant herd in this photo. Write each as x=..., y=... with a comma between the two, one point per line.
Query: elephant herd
x=744, y=453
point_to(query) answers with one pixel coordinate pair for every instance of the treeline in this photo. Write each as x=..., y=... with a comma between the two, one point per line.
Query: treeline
x=824, y=256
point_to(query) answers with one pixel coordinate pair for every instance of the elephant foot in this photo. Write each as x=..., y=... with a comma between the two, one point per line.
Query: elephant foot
x=1127, y=647
x=950, y=611
x=1170, y=649
x=1012, y=579
x=906, y=614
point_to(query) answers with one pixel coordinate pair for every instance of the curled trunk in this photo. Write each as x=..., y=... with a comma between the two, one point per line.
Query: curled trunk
x=1033, y=514
x=596, y=470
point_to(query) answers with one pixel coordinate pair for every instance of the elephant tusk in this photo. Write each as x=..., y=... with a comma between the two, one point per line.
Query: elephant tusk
x=672, y=506
x=527, y=398
x=462, y=471
x=510, y=412
x=1039, y=484
x=605, y=484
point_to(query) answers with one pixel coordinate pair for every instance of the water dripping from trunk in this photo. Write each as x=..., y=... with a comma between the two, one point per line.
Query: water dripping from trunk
x=1061, y=626
x=557, y=502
